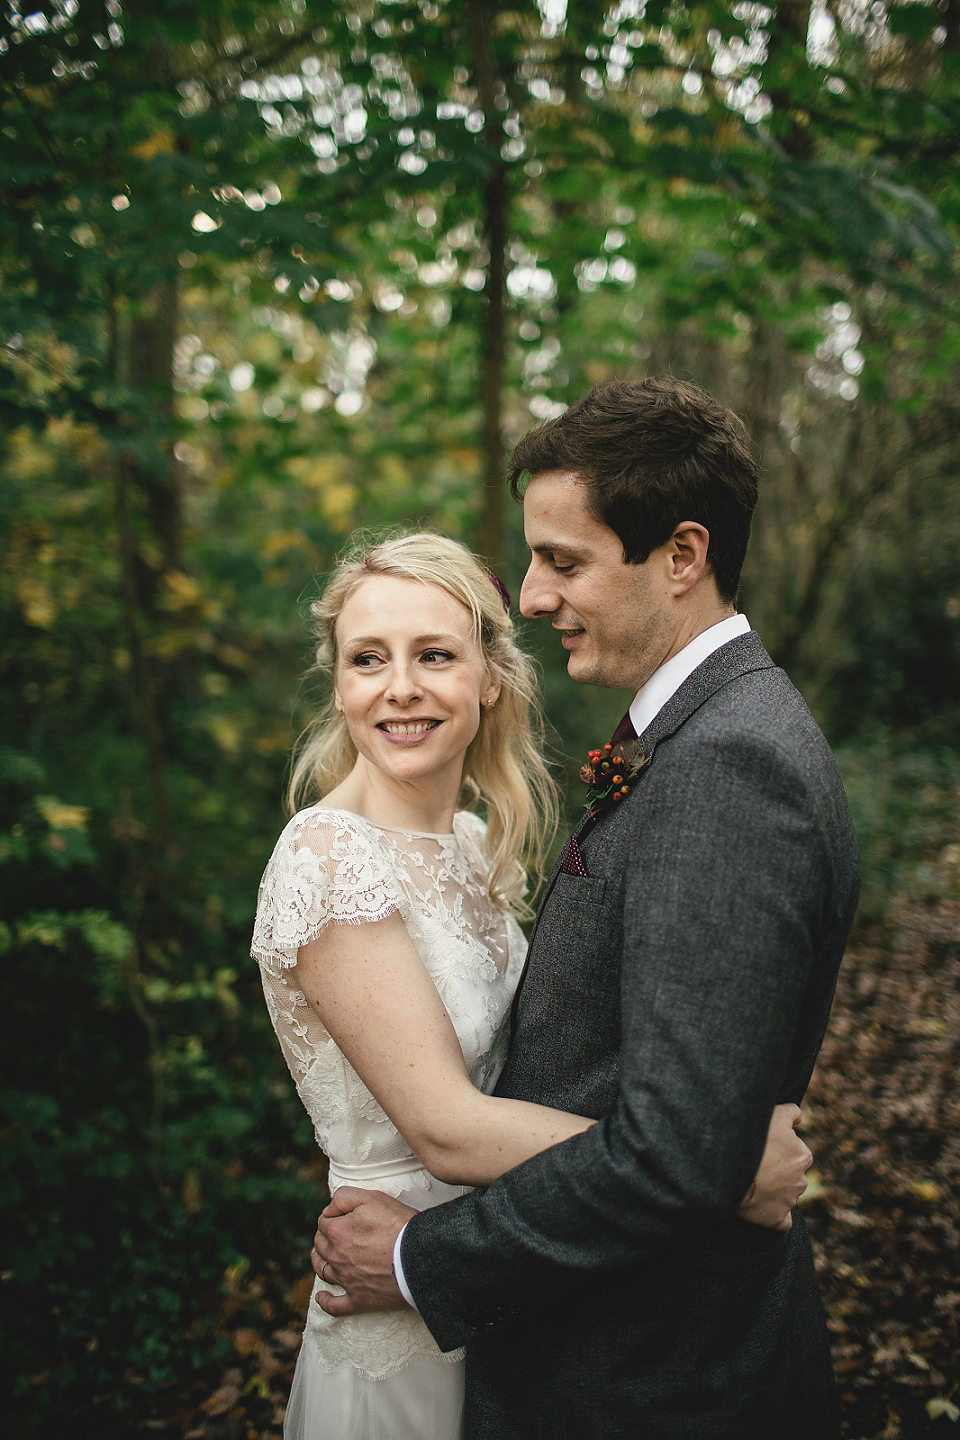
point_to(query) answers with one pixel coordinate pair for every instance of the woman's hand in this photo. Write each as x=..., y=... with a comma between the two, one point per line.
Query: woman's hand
x=781, y=1179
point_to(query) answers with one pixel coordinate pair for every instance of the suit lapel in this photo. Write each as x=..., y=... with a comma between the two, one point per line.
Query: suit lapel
x=738, y=657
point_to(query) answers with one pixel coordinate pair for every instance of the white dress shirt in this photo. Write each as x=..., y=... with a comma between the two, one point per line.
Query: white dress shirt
x=649, y=701
x=668, y=677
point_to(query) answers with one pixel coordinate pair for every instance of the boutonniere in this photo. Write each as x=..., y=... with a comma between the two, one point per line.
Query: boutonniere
x=610, y=772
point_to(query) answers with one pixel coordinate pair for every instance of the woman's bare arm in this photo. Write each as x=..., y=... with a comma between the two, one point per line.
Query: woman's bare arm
x=371, y=991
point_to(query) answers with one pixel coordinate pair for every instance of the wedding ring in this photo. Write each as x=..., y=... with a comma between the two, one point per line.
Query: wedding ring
x=323, y=1273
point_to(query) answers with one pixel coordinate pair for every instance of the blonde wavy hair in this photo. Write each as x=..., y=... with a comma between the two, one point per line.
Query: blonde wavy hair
x=504, y=770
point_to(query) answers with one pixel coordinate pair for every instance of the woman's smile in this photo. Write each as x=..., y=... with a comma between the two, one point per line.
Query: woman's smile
x=408, y=732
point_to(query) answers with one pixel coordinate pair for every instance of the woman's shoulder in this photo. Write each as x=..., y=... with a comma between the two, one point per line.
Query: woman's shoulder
x=324, y=822
x=468, y=822
x=327, y=868
x=467, y=825
x=471, y=834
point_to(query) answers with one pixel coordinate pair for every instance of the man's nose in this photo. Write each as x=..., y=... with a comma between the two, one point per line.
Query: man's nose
x=538, y=597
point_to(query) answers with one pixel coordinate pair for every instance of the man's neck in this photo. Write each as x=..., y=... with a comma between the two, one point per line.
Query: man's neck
x=703, y=617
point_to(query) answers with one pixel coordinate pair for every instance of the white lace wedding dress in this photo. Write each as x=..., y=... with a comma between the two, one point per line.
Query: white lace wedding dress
x=381, y=1377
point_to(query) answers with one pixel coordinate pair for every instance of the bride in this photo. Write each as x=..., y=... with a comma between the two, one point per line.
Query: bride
x=389, y=946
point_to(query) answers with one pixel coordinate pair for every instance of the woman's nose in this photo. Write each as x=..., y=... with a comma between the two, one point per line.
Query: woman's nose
x=403, y=686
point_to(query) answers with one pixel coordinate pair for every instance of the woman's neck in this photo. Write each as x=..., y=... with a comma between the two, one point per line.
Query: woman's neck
x=427, y=805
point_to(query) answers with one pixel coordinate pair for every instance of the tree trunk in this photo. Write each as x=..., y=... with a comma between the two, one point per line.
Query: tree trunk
x=786, y=61
x=153, y=334
x=950, y=17
x=496, y=218
x=145, y=482
x=140, y=662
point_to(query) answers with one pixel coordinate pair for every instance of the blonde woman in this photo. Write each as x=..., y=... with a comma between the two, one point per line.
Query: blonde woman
x=388, y=940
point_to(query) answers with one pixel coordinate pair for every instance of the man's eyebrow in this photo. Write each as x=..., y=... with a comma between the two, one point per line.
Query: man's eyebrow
x=554, y=547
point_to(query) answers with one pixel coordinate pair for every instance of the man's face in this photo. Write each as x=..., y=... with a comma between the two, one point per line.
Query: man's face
x=616, y=620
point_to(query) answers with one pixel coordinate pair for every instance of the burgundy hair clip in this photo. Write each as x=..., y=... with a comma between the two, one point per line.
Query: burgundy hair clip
x=502, y=591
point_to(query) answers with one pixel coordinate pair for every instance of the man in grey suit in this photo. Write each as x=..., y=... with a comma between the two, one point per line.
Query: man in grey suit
x=677, y=988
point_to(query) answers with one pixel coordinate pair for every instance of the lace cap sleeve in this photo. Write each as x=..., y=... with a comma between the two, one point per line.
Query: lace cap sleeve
x=327, y=868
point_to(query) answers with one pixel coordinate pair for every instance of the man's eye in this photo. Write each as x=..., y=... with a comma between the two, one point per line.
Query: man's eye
x=562, y=569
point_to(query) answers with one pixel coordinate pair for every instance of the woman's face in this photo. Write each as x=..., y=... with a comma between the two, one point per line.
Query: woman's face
x=410, y=677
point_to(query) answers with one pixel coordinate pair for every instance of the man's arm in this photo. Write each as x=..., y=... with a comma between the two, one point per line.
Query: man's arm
x=725, y=894
x=364, y=1253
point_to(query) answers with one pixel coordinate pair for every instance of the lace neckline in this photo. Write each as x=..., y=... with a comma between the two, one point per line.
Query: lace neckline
x=395, y=829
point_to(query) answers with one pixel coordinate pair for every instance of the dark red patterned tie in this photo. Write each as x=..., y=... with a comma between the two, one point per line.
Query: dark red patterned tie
x=624, y=731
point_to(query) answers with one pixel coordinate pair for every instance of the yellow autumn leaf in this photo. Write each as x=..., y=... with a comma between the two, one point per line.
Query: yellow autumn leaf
x=282, y=540
x=940, y=1405
x=62, y=817
x=315, y=474
x=226, y=732
x=182, y=590
x=37, y=603
x=925, y=1190
x=162, y=142
x=394, y=470
x=815, y=1188
x=337, y=503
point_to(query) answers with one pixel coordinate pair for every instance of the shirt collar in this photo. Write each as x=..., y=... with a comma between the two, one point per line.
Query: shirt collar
x=668, y=677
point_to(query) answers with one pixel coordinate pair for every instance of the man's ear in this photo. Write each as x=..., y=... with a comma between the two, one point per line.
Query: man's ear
x=688, y=548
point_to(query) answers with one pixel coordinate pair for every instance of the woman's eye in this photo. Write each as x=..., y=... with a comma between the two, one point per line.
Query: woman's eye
x=433, y=656
x=365, y=660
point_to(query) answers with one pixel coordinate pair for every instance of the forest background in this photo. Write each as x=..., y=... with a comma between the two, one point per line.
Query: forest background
x=272, y=272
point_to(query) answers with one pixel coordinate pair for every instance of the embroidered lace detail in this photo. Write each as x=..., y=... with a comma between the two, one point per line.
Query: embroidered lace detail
x=383, y=1343
x=333, y=867
x=322, y=872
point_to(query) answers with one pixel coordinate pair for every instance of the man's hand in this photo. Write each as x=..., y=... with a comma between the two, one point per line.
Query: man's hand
x=781, y=1179
x=354, y=1240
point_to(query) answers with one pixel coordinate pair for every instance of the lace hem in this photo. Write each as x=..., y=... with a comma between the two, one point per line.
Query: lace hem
x=276, y=960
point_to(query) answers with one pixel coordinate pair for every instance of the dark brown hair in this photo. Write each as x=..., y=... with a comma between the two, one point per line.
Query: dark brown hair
x=653, y=453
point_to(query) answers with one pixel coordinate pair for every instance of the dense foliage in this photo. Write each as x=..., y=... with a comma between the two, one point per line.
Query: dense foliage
x=274, y=271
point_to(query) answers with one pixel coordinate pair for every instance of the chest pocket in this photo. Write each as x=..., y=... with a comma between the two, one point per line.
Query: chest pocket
x=578, y=944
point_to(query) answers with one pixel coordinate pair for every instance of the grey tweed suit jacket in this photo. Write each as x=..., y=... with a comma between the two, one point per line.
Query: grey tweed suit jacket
x=607, y=1288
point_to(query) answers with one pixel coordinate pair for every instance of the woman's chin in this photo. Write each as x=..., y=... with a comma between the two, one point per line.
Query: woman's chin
x=409, y=765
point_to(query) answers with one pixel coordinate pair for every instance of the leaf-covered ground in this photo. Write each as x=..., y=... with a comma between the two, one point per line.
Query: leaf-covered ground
x=884, y=1121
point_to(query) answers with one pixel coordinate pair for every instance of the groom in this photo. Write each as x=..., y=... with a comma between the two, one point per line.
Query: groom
x=678, y=985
